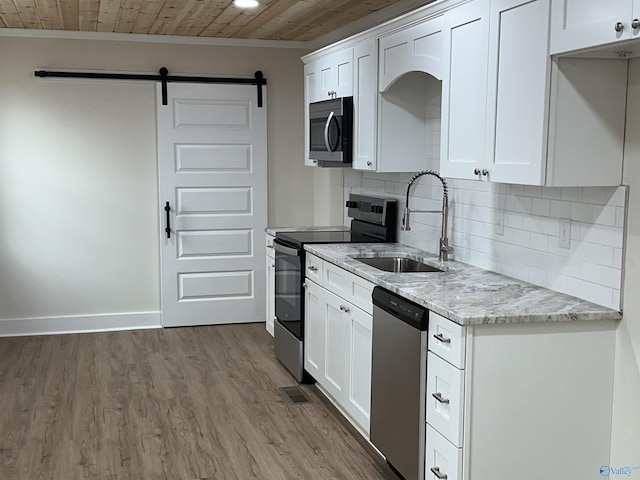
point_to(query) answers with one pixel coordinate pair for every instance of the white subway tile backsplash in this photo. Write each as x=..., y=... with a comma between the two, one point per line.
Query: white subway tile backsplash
x=604, y=215
x=617, y=258
x=560, y=209
x=581, y=212
x=523, y=205
x=530, y=191
x=541, y=206
x=620, y=217
x=528, y=248
x=552, y=193
x=572, y=194
x=594, y=195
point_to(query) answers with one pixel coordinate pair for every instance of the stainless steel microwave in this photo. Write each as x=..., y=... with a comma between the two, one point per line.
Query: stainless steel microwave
x=331, y=132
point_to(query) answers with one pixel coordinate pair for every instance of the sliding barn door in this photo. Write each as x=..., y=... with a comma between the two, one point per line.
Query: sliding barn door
x=212, y=155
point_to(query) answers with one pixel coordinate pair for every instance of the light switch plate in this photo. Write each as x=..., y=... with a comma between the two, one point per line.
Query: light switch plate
x=564, y=233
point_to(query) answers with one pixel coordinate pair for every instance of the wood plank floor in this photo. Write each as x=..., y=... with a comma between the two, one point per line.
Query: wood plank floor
x=186, y=403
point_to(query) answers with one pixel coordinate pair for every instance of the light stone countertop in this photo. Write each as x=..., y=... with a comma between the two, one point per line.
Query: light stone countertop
x=275, y=230
x=463, y=293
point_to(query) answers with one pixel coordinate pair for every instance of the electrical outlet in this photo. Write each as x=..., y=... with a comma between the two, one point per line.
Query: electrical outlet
x=564, y=233
x=500, y=222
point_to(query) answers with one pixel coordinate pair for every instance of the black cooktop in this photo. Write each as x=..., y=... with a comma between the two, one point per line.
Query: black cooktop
x=298, y=239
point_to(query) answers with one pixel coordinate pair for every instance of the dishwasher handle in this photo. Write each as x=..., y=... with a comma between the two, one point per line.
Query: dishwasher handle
x=401, y=308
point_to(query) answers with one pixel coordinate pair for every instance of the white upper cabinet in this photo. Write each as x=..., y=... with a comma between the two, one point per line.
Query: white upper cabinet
x=328, y=77
x=583, y=24
x=464, y=87
x=310, y=95
x=417, y=48
x=335, y=75
x=365, y=95
x=517, y=106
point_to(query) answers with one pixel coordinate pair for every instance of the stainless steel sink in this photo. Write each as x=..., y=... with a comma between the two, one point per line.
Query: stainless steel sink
x=397, y=264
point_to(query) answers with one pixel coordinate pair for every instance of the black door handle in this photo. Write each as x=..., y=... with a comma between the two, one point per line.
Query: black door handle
x=167, y=208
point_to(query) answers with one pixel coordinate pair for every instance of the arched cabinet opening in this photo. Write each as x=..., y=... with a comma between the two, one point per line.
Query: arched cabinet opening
x=409, y=119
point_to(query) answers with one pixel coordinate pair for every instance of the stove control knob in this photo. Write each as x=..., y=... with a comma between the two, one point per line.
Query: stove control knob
x=377, y=209
x=352, y=204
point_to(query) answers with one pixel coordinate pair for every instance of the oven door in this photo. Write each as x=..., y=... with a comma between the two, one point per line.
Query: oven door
x=288, y=287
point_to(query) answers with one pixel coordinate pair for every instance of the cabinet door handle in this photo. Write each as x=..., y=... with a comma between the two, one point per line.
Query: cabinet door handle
x=269, y=246
x=273, y=265
x=344, y=309
x=442, y=338
x=438, y=396
x=618, y=27
x=369, y=164
x=304, y=285
x=437, y=473
x=476, y=171
x=313, y=268
x=167, y=208
x=485, y=172
x=635, y=24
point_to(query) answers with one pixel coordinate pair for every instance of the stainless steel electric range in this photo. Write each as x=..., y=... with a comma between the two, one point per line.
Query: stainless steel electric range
x=374, y=219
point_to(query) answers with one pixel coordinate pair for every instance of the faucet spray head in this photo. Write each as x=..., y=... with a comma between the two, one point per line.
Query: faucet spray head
x=405, y=220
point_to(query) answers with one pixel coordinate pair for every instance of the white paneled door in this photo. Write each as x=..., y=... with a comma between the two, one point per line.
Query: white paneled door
x=212, y=158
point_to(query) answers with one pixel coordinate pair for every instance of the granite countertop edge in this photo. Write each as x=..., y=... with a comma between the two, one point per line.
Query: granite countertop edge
x=463, y=293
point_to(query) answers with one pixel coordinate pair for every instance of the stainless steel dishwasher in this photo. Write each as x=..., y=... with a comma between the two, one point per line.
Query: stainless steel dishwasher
x=398, y=382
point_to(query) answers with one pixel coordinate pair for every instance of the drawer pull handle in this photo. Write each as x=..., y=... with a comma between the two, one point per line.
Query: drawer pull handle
x=344, y=309
x=442, y=338
x=269, y=246
x=438, y=396
x=436, y=472
x=313, y=268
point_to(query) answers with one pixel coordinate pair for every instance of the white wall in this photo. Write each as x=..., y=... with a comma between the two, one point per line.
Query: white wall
x=78, y=177
x=626, y=407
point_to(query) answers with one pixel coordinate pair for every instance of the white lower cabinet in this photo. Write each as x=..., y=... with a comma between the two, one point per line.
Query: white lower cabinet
x=522, y=394
x=442, y=460
x=271, y=282
x=445, y=398
x=338, y=346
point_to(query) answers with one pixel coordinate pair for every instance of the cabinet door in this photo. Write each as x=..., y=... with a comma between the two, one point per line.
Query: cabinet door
x=517, y=94
x=578, y=24
x=464, y=87
x=310, y=95
x=335, y=75
x=336, y=344
x=442, y=459
x=365, y=94
x=417, y=48
x=314, y=334
x=359, y=391
x=271, y=296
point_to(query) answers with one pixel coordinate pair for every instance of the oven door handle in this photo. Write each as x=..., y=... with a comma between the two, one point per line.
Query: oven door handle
x=278, y=247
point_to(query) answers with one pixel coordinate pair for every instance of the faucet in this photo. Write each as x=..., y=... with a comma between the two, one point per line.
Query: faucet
x=445, y=248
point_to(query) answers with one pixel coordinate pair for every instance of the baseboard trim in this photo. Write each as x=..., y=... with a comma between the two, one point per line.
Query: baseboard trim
x=20, y=327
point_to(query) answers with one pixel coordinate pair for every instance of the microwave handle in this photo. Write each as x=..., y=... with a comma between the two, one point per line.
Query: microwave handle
x=326, y=132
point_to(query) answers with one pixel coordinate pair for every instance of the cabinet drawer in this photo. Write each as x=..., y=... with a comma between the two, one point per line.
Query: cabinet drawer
x=447, y=339
x=445, y=398
x=351, y=287
x=313, y=267
x=270, y=252
x=442, y=458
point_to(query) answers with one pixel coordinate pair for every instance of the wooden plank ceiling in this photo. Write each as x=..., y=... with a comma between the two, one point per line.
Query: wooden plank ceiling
x=299, y=20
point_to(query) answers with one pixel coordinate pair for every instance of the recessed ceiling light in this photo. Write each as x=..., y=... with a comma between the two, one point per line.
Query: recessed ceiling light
x=245, y=3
